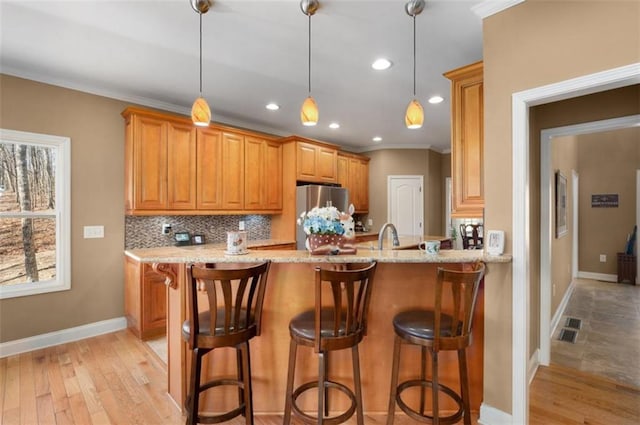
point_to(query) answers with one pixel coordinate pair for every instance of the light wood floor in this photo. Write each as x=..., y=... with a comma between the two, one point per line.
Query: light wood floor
x=116, y=379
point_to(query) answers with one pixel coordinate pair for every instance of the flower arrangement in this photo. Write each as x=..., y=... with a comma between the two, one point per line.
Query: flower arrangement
x=322, y=221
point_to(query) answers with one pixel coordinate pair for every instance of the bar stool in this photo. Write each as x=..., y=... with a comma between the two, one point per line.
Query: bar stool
x=335, y=325
x=447, y=327
x=231, y=319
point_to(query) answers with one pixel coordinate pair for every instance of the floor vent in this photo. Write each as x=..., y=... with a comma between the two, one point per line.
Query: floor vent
x=573, y=323
x=568, y=335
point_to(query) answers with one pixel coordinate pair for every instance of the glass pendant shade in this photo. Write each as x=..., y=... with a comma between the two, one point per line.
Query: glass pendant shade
x=415, y=115
x=309, y=112
x=200, y=112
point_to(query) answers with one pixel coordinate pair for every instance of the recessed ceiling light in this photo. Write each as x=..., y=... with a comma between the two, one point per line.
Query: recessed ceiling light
x=334, y=125
x=272, y=106
x=381, y=64
x=377, y=139
x=435, y=99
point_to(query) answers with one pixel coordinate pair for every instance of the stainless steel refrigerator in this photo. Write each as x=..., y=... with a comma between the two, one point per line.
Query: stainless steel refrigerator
x=310, y=196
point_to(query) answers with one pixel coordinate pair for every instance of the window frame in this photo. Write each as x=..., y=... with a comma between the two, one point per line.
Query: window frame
x=62, y=213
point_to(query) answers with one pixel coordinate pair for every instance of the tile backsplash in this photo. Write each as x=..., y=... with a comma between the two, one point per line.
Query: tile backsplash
x=146, y=231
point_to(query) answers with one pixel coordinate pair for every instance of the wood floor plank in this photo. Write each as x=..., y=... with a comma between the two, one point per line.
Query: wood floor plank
x=46, y=414
x=56, y=383
x=3, y=382
x=28, y=409
x=12, y=384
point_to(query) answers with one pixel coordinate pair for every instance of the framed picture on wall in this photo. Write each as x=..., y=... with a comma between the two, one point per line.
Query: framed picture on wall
x=561, y=204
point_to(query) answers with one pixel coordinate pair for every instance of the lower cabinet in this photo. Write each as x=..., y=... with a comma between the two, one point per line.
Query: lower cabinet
x=145, y=299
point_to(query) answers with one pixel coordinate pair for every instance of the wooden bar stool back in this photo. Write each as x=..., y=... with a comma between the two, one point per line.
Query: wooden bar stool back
x=334, y=324
x=472, y=236
x=231, y=318
x=446, y=327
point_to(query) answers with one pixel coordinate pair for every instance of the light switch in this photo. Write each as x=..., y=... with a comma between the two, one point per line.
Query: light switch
x=93, y=232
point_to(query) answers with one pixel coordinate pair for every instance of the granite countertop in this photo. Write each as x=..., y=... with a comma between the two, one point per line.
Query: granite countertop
x=253, y=243
x=406, y=242
x=209, y=254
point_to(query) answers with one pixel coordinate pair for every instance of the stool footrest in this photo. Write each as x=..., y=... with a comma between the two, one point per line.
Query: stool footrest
x=444, y=420
x=222, y=417
x=334, y=420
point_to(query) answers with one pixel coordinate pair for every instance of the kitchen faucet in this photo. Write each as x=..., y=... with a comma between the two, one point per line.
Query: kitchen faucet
x=394, y=233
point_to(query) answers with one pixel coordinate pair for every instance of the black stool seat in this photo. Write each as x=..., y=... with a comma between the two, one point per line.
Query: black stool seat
x=340, y=324
x=445, y=327
x=421, y=323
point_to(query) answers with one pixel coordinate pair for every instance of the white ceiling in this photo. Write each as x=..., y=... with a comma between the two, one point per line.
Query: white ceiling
x=254, y=52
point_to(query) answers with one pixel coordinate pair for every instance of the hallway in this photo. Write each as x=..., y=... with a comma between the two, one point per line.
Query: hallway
x=608, y=341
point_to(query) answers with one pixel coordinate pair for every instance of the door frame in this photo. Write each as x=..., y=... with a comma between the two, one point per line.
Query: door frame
x=521, y=264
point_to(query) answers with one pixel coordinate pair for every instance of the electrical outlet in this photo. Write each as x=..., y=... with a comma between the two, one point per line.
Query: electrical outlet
x=241, y=225
x=166, y=229
x=603, y=258
x=370, y=222
x=93, y=232
x=554, y=289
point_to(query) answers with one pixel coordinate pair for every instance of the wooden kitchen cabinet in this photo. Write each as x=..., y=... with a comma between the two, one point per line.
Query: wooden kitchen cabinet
x=209, y=169
x=160, y=164
x=467, y=146
x=232, y=171
x=263, y=174
x=316, y=163
x=172, y=167
x=353, y=173
x=145, y=299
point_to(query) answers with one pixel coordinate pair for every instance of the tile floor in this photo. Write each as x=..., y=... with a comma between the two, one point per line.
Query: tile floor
x=608, y=343
x=159, y=346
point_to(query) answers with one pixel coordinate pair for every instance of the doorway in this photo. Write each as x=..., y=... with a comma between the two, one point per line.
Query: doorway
x=405, y=204
x=521, y=264
x=547, y=323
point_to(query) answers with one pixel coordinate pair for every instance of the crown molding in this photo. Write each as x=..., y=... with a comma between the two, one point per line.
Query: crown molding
x=491, y=7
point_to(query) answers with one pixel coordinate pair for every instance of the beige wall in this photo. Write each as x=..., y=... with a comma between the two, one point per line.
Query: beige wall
x=564, y=158
x=607, y=163
x=530, y=45
x=422, y=162
x=96, y=130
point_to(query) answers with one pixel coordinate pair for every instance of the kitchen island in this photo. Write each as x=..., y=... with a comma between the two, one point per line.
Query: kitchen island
x=404, y=279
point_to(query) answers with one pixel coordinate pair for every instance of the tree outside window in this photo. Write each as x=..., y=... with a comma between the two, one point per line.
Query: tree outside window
x=34, y=213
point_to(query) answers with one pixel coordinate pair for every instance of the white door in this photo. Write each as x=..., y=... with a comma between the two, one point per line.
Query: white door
x=405, y=204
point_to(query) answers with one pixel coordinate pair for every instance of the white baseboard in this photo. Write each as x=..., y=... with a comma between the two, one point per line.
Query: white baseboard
x=598, y=276
x=492, y=416
x=555, y=320
x=63, y=336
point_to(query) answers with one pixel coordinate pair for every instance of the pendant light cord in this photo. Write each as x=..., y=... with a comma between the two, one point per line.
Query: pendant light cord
x=414, y=55
x=309, y=54
x=200, y=13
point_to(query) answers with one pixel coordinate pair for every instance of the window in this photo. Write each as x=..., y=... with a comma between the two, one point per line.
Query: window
x=35, y=211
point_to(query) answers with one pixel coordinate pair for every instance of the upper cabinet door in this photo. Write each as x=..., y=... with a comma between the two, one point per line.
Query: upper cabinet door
x=263, y=174
x=327, y=164
x=181, y=166
x=272, y=182
x=316, y=163
x=209, y=169
x=150, y=163
x=254, y=173
x=467, y=140
x=232, y=171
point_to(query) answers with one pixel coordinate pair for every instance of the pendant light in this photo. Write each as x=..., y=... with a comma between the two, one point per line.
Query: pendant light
x=309, y=111
x=200, y=111
x=414, y=116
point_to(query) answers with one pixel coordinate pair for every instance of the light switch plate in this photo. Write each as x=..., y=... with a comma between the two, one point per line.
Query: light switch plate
x=93, y=232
